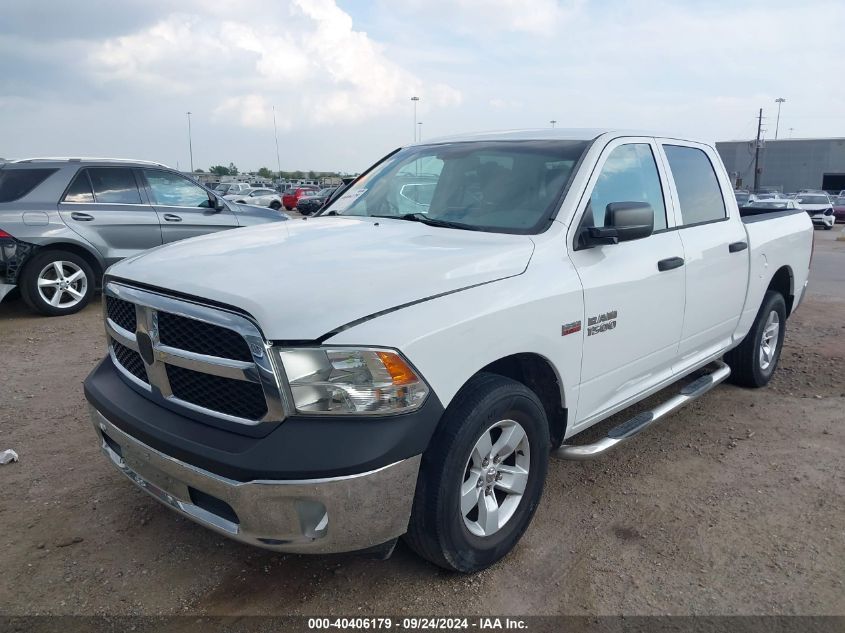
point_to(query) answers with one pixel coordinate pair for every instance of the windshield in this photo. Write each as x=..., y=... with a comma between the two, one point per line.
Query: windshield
x=222, y=188
x=769, y=204
x=742, y=197
x=325, y=192
x=813, y=200
x=498, y=186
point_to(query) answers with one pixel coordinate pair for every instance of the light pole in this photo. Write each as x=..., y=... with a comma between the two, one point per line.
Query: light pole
x=419, y=125
x=553, y=122
x=415, y=100
x=778, y=101
x=791, y=130
x=276, y=134
x=190, y=144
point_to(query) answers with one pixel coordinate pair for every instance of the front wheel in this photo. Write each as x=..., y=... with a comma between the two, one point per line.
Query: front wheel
x=754, y=361
x=275, y=205
x=482, y=476
x=828, y=227
x=57, y=283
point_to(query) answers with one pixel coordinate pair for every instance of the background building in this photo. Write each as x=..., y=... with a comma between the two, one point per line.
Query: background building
x=787, y=164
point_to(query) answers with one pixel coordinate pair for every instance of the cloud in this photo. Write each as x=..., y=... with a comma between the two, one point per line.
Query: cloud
x=318, y=68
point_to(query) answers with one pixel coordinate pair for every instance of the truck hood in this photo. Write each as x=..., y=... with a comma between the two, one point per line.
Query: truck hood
x=302, y=279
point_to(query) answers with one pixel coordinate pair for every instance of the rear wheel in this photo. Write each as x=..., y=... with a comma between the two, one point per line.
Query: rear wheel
x=754, y=361
x=482, y=476
x=57, y=282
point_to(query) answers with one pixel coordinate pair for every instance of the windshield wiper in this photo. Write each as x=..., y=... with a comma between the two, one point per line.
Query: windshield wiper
x=422, y=217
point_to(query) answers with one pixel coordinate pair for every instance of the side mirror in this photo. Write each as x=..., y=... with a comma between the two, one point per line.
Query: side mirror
x=218, y=205
x=623, y=221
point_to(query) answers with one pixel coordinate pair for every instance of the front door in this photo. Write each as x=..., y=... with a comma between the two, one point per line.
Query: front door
x=185, y=208
x=105, y=206
x=633, y=290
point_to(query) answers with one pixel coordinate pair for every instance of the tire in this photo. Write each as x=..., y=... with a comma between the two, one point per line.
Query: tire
x=275, y=205
x=288, y=208
x=438, y=529
x=46, y=266
x=828, y=227
x=748, y=364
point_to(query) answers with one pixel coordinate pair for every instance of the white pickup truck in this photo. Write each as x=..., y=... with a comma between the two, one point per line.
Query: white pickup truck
x=467, y=308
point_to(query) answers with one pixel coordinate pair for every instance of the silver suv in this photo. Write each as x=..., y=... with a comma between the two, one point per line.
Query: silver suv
x=64, y=221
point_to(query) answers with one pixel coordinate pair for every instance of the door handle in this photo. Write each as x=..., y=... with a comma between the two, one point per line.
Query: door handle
x=737, y=246
x=670, y=263
x=81, y=217
x=170, y=217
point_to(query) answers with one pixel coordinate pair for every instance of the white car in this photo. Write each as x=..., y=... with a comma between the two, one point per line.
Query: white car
x=819, y=207
x=231, y=188
x=380, y=371
x=258, y=197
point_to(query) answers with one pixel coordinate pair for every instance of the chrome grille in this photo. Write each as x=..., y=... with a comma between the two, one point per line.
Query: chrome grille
x=233, y=397
x=130, y=360
x=121, y=312
x=202, y=338
x=211, y=362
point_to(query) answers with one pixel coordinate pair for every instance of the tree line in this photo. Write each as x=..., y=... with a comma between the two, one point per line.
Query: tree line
x=265, y=172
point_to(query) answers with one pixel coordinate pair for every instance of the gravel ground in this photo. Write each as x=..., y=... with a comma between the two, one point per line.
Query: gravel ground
x=735, y=505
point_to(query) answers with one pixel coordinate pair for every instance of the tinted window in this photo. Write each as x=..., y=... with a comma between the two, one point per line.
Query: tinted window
x=16, y=183
x=698, y=189
x=80, y=189
x=114, y=185
x=628, y=175
x=172, y=190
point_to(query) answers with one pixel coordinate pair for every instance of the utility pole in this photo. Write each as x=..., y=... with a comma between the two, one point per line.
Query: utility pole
x=419, y=125
x=190, y=145
x=276, y=134
x=415, y=100
x=553, y=122
x=757, y=150
x=778, y=101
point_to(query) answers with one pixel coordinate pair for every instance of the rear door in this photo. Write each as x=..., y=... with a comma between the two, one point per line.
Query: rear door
x=715, y=249
x=107, y=208
x=184, y=208
x=633, y=290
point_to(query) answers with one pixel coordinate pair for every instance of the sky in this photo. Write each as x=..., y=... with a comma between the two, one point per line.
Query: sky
x=106, y=78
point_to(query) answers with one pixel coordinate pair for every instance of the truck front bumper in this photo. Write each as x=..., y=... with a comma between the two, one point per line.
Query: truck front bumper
x=337, y=514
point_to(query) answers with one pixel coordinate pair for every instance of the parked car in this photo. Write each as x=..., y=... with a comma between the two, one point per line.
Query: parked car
x=742, y=197
x=292, y=196
x=839, y=209
x=231, y=188
x=417, y=372
x=753, y=208
x=64, y=221
x=312, y=202
x=820, y=209
x=260, y=197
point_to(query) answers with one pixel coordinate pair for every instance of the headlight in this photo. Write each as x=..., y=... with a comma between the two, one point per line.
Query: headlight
x=348, y=380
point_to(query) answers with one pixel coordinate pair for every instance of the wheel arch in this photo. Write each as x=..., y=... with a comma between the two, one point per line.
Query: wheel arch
x=91, y=259
x=538, y=374
x=783, y=281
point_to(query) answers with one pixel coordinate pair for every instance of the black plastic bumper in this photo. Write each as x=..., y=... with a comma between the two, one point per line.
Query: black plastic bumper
x=302, y=447
x=13, y=254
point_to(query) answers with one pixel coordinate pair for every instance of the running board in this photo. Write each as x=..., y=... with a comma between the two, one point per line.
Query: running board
x=642, y=421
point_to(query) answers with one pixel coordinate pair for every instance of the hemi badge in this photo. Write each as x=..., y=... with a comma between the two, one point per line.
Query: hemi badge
x=571, y=328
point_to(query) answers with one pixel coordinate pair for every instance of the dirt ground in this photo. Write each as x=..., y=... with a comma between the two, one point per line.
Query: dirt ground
x=735, y=505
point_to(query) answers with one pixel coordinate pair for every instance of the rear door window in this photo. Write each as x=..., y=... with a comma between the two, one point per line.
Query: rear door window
x=80, y=189
x=699, y=193
x=114, y=185
x=16, y=183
